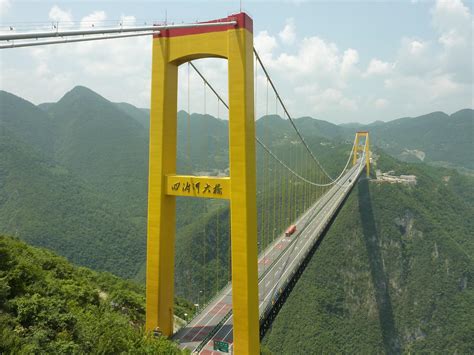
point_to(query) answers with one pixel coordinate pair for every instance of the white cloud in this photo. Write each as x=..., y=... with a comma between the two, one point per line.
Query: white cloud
x=378, y=67
x=119, y=69
x=416, y=57
x=329, y=100
x=381, y=103
x=128, y=20
x=424, y=89
x=320, y=73
x=288, y=34
x=349, y=61
x=315, y=60
x=94, y=19
x=4, y=6
x=450, y=14
x=58, y=15
x=314, y=75
x=421, y=77
x=416, y=47
x=265, y=44
x=454, y=24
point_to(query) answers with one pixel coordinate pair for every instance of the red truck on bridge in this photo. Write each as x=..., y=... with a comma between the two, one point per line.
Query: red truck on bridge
x=290, y=230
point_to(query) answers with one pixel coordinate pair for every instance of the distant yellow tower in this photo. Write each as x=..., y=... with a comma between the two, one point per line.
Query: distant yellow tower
x=359, y=148
x=172, y=48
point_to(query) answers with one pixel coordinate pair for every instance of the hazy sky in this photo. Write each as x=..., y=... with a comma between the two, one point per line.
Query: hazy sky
x=339, y=61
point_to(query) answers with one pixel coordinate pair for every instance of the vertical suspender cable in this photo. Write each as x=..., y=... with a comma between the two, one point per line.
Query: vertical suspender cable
x=205, y=108
x=188, y=128
x=217, y=251
x=266, y=174
x=289, y=117
x=274, y=184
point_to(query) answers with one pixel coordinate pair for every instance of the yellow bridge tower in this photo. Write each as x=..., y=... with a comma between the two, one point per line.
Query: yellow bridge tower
x=360, y=148
x=171, y=48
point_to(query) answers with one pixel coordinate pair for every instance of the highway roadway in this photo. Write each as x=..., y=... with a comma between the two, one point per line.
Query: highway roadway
x=276, y=267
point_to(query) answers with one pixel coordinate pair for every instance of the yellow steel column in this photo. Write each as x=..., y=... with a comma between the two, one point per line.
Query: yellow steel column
x=161, y=207
x=170, y=49
x=367, y=155
x=243, y=193
x=366, y=150
x=355, y=149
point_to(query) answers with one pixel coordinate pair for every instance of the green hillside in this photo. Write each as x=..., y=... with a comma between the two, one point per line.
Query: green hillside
x=208, y=146
x=29, y=124
x=394, y=273
x=75, y=181
x=48, y=306
x=140, y=115
x=73, y=177
x=46, y=205
x=202, y=247
x=102, y=145
x=436, y=138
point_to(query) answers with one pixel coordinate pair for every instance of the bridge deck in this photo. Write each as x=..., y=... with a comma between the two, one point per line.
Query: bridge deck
x=277, y=265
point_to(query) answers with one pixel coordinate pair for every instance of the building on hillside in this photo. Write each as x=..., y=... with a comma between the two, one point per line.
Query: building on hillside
x=390, y=178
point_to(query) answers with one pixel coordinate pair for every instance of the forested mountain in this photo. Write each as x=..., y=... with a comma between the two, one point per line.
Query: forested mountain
x=102, y=145
x=48, y=306
x=93, y=157
x=47, y=205
x=435, y=138
x=140, y=115
x=397, y=262
x=74, y=176
x=27, y=122
x=394, y=273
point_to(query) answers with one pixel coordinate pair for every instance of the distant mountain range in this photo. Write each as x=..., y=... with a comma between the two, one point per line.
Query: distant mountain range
x=93, y=155
x=73, y=174
x=397, y=262
x=435, y=138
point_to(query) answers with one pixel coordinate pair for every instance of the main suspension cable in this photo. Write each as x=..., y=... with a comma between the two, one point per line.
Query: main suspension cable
x=288, y=114
x=334, y=181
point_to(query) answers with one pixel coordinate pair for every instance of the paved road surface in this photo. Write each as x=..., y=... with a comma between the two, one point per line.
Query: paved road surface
x=276, y=265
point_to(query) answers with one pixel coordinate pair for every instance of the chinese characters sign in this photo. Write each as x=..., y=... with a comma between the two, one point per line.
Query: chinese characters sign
x=198, y=186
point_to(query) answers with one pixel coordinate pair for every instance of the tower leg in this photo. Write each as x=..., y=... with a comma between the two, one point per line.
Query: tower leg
x=161, y=207
x=243, y=194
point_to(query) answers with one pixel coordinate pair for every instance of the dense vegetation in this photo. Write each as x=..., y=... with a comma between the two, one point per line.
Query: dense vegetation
x=445, y=140
x=46, y=205
x=49, y=306
x=73, y=179
x=202, y=249
x=394, y=273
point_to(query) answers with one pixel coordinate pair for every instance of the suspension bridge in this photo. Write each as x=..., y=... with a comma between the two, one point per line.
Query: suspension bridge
x=281, y=198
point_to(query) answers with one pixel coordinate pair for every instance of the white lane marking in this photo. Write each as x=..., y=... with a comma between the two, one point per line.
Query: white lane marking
x=204, y=326
x=334, y=204
x=203, y=315
x=318, y=226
